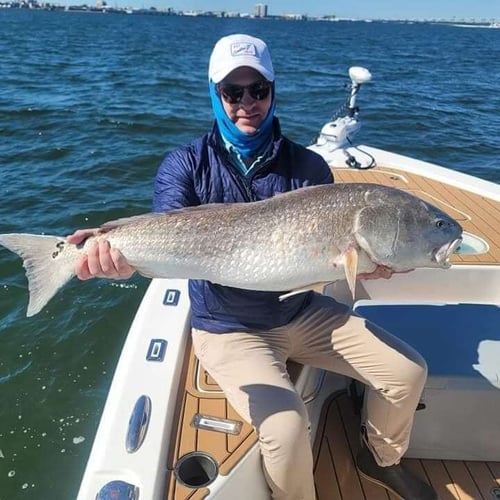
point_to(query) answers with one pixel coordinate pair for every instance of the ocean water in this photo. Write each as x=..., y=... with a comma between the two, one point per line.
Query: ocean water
x=89, y=105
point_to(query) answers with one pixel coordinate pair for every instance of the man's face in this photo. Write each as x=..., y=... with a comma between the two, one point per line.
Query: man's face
x=254, y=100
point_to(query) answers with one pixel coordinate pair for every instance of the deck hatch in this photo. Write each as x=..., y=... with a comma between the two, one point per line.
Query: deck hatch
x=216, y=424
x=118, y=490
x=138, y=424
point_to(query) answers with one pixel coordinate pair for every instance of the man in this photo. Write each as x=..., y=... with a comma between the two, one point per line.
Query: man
x=244, y=338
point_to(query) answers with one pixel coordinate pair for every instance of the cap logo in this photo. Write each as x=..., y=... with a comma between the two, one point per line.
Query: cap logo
x=243, y=49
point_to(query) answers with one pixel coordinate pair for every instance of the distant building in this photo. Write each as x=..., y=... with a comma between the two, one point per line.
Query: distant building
x=261, y=10
x=294, y=17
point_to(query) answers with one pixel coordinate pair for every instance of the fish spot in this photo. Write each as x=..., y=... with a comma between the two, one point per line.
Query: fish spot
x=60, y=248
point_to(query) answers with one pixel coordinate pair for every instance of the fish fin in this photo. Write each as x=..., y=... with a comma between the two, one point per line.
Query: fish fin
x=351, y=268
x=315, y=287
x=124, y=221
x=46, y=271
x=208, y=208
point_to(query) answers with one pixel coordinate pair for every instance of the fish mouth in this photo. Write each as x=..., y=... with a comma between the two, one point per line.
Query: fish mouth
x=442, y=255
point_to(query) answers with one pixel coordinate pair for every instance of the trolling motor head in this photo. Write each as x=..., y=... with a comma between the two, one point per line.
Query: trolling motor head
x=358, y=76
x=337, y=133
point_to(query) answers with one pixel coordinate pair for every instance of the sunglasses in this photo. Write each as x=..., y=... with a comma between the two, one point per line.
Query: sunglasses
x=233, y=93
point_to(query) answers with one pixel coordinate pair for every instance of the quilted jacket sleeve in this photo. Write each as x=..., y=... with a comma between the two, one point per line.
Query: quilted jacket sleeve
x=322, y=173
x=174, y=183
x=308, y=167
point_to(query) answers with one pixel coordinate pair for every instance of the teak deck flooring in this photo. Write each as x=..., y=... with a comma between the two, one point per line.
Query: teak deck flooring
x=337, y=440
x=336, y=476
x=335, y=448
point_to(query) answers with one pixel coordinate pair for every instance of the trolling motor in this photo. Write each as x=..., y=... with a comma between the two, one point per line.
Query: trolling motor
x=337, y=133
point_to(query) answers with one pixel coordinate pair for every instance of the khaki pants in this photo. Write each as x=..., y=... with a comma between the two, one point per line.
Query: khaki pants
x=251, y=370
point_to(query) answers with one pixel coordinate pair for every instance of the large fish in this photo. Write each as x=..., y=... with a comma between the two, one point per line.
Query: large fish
x=303, y=237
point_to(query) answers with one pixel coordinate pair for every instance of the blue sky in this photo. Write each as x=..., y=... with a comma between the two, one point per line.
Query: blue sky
x=359, y=9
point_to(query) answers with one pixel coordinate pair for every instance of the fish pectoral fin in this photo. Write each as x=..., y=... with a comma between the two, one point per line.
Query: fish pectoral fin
x=351, y=268
x=314, y=287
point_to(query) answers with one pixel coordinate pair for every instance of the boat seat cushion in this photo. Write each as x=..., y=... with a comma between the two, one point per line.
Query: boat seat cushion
x=454, y=339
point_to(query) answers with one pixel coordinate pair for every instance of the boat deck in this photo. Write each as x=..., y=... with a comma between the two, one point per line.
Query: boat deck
x=336, y=476
x=477, y=215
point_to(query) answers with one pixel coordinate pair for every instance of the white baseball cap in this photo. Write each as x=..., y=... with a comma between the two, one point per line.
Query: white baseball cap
x=235, y=51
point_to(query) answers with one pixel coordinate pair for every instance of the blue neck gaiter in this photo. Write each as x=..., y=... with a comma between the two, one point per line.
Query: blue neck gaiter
x=247, y=145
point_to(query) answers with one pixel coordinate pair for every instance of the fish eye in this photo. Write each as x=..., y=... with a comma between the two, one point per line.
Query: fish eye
x=440, y=223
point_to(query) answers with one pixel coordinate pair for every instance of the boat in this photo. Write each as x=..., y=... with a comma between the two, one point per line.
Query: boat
x=477, y=25
x=167, y=431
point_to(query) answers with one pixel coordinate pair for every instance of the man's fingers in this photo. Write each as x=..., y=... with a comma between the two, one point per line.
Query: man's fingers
x=385, y=273
x=404, y=272
x=379, y=272
x=80, y=235
x=121, y=265
x=100, y=260
x=94, y=262
x=107, y=266
x=82, y=268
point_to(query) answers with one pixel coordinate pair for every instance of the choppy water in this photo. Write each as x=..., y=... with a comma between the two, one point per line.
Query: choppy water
x=90, y=103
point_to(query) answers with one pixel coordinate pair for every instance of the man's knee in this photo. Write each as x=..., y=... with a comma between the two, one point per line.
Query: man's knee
x=416, y=374
x=283, y=434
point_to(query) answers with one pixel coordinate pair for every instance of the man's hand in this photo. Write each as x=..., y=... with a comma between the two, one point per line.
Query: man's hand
x=379, y=272
x=100, y=261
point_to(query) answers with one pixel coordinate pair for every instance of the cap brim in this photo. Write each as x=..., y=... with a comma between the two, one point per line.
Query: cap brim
x=218, y=76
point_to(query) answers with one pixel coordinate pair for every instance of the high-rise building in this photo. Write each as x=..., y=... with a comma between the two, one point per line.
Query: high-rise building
x=261, y=10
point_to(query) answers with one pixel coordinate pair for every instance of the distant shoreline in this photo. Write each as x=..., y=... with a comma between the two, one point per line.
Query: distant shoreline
x=105, y=9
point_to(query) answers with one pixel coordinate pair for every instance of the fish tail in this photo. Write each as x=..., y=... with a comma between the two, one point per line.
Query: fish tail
x=49, y=262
